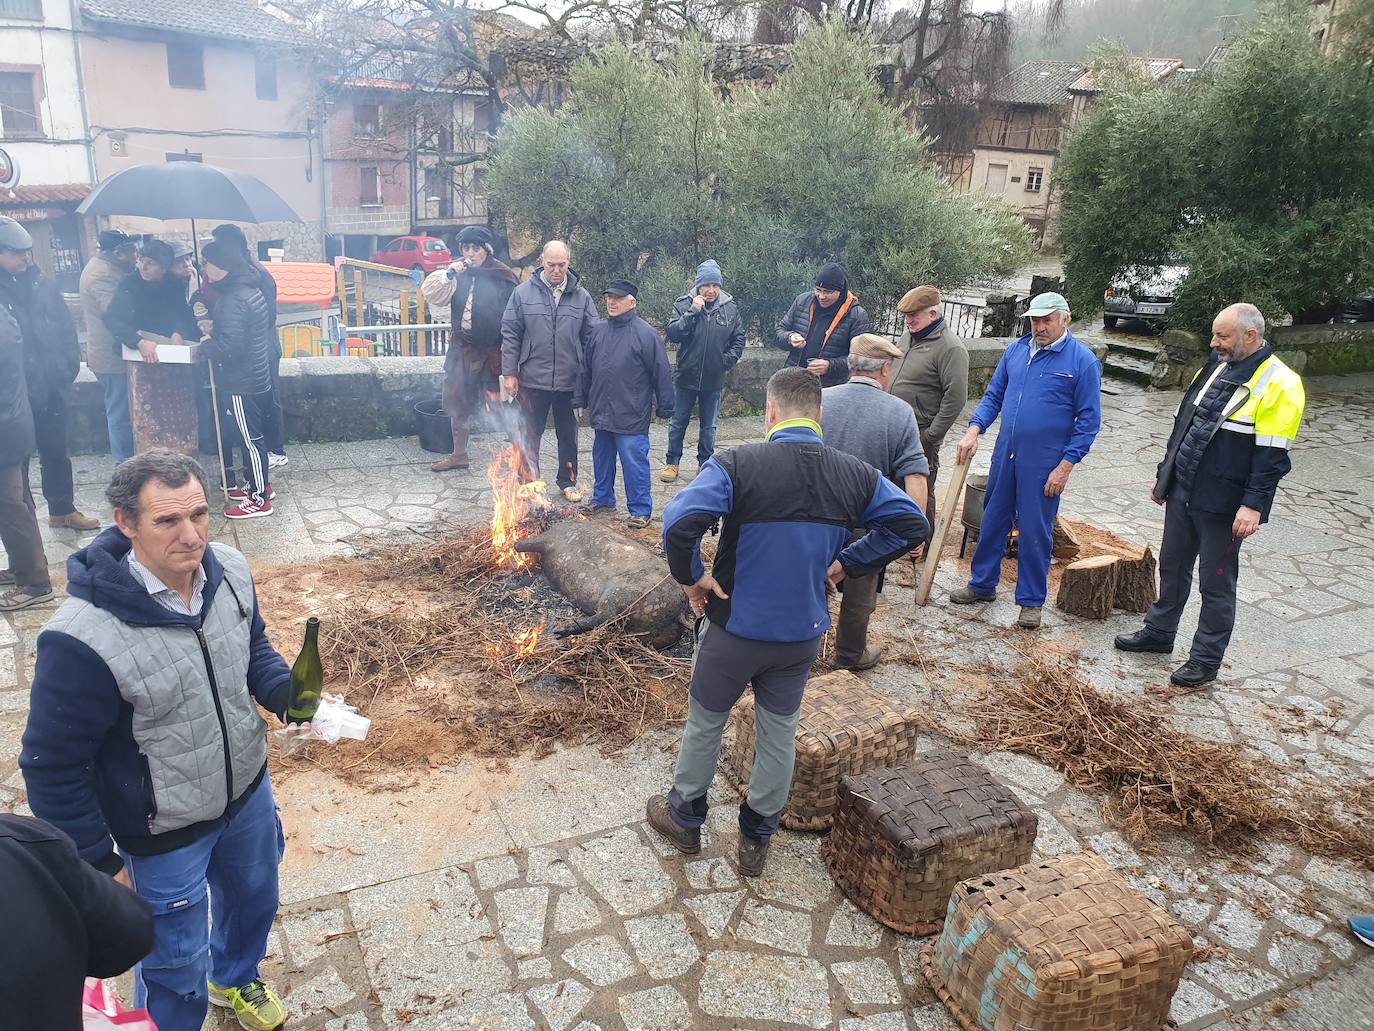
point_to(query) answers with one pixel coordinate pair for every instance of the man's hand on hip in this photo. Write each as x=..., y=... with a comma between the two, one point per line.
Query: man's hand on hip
x=1247, y=522
x=699, y=592
x=834, y=576
x=968, y=444
x=512, y=385
x=1058, y=479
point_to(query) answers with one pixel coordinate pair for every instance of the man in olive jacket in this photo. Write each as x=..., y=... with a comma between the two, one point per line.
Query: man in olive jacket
x=817, y=329
x=931, y=375
x=709, y=335
x=544, y=333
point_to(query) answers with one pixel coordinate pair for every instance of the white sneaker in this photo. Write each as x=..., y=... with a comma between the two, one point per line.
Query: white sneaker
x=274, y=460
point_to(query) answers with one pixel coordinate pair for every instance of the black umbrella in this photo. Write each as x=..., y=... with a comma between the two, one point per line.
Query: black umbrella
x=187, y=189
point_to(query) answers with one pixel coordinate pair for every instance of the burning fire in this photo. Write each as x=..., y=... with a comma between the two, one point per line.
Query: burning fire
x=511, y=502
x=525, y=643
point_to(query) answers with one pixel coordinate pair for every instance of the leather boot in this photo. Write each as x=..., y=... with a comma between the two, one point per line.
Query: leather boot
x=459, y=458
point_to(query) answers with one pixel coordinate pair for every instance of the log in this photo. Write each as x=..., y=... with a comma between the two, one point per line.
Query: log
x=1088, y=587
x=1064, y=545
x=1137, y=586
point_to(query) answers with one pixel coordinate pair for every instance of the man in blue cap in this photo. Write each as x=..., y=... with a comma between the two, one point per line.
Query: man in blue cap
x=709, y=335
x=1047, y=388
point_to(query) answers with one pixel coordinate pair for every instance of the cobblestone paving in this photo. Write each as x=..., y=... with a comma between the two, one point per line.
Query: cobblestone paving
x=532, y=895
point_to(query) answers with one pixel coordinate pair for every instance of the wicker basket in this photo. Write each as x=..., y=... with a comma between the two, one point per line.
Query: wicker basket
x=846, y=727
x=1062, y=945
x=904, y=837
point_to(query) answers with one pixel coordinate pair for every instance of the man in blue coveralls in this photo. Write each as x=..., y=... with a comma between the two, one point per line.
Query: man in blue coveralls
x=1047, y=388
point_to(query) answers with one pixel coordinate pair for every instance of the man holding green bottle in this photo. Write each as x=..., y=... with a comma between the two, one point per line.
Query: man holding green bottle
x=144, y=743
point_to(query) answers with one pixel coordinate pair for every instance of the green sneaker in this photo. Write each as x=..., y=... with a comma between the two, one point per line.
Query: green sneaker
x=256, y=1005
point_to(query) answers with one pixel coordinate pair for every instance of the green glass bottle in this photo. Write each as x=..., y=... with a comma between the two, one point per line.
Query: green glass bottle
x=307, y=676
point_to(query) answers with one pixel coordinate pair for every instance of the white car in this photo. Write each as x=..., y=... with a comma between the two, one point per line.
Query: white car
x=1142, y=293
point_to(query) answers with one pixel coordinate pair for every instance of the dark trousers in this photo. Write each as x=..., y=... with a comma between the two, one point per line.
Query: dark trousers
x=1201, y=539
x=50, y=431
x=534, y=408
x=241, y=427
x=707, y=403
x=858, y=599
x=932, y=453
x=19, y=531
x=274, y=425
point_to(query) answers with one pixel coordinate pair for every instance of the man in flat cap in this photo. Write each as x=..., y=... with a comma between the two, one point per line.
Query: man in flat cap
x=817, y=329
x=625, y=370
x=114, y=259
x=930, y=374
x=862, y=419
x=1047, y=390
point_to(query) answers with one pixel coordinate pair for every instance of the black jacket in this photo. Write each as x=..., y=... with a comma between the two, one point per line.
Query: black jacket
x=490, y=285
x=149, y=307
x=52, y=357
x=16, y=416
x=241, y=343
x=709, y=342
x=64, y=921
x=626, y=367
x=823, y=341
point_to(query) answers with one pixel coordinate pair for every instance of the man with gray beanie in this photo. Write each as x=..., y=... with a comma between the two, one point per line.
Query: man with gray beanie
x=862, y=419
x=709, y=335
x=817, y=329
x=114, y=259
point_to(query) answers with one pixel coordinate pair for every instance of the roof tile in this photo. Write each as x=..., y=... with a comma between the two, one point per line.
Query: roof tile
x=1041, y=83
x=225, y=19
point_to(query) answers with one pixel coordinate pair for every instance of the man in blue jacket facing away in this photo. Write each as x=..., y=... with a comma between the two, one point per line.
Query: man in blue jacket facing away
x=787, y=508
x=1047, y=388
x=144, y=743
x=624, y=370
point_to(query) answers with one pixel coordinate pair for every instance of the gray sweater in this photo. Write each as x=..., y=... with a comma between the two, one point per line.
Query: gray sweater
x=860, y=419
x=932, y=377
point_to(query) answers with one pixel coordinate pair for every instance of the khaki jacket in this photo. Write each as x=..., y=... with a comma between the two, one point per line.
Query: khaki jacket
x=99, y=280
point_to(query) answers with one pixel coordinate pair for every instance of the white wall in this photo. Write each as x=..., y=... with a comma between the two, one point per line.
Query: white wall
x=48, y=45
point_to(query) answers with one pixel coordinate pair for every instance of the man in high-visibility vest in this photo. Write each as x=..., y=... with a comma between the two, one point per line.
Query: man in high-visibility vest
x=1226, y=454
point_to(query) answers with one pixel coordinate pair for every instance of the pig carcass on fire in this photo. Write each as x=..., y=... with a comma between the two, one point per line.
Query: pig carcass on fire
x=603, y=574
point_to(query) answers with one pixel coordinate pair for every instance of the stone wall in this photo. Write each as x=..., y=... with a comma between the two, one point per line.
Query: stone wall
x=1311, y=350
x=984, y=354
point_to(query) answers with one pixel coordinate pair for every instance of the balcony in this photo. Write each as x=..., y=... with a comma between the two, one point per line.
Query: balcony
x=1040, y=138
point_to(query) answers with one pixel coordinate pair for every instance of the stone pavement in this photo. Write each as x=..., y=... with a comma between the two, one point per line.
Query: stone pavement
x=531, y=893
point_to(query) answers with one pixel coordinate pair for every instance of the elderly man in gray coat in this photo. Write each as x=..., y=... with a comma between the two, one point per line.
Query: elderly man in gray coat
x=544, y=334
x=860, y=417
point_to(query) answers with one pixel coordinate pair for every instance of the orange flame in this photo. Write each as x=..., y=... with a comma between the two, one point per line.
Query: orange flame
x=525, y=643
x=511, y=502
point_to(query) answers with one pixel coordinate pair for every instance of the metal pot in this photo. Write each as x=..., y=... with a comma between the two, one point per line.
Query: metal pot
x=975, y=492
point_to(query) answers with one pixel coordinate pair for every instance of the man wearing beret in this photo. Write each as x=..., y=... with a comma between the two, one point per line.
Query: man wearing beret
x=626, y=368
x=1047, y=389
x=930, y=374
x=862, y=419
x=114, y=259
x=817, y=329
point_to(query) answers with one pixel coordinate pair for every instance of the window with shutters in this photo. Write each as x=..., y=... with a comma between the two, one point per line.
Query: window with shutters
x=185, y=65
x=265, y=75
x=19, y=104
x=371, y=192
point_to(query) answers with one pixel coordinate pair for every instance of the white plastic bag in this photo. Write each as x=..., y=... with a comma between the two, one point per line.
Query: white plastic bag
x=334, y=719
x=439, y=286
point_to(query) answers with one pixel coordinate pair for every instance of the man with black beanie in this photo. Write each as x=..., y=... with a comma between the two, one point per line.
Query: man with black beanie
x=817, y=329
x=274, y=426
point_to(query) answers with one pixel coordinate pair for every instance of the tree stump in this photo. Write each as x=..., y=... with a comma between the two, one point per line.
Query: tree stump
x=1092, y=587
x=1064, y=544
x=1088, y=587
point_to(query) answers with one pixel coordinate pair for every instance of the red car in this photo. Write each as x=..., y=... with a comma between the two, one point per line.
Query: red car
x=425, y=253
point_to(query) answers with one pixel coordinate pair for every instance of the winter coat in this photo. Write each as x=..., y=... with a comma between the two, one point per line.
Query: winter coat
x=140, y=306
x=490, y=285
x=241, y=342
x=64, y=921
x=100, y=281
x=932, y=377
x=824, y=340
x=209, y=293
x=16, y=415
x=709, y=342
x=541, y=346
x=626, y=367
x=52, y=356
x=144, y=727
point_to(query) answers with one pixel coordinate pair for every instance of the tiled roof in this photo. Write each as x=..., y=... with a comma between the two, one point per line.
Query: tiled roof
x=224, y=19
x=1043, y=83
x=1156, y=68
x=45, y=194
x=303, y=282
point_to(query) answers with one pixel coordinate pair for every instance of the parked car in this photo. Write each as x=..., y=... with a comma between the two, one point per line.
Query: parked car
x=1146, y=294
x=425, y=253
x=1359, y=310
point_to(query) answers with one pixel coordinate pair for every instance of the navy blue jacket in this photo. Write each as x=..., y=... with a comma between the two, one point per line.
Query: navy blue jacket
x=1050, y=401
x=788, y=506
x=625, y=367
x=79, y=757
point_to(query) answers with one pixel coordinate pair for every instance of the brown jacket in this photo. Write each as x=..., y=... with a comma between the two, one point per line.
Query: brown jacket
x=932, y=377
x=99, y=280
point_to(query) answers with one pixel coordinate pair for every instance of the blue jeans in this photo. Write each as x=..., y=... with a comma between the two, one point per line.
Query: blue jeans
x=708, y=403
x=633, y=451
x=116, y=390
x=232, y=871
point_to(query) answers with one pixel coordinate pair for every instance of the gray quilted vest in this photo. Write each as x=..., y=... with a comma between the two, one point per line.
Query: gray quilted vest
x=173, y=676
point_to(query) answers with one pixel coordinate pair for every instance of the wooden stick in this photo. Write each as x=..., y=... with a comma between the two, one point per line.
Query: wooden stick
x=937, y=541
x=219, y=442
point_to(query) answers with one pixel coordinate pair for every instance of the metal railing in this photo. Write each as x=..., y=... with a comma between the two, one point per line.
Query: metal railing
x=965, y=318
